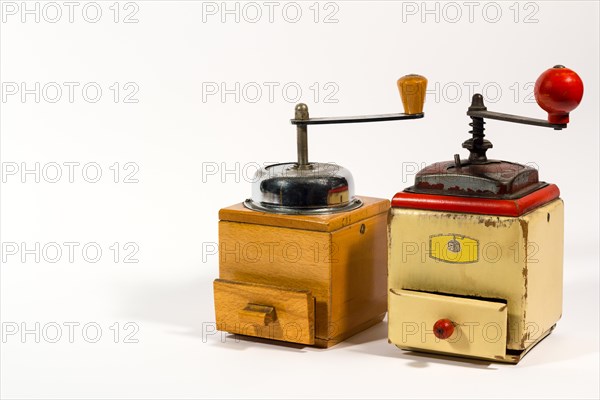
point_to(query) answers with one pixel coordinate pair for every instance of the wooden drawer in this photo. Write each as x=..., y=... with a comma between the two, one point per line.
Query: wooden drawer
x=265, y=311
x=480, y=326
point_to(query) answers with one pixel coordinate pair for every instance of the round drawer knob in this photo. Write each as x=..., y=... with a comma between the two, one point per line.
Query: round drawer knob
x=443, y=328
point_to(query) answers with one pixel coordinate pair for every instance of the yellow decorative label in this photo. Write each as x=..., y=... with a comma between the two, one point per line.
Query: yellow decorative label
x=453, y=248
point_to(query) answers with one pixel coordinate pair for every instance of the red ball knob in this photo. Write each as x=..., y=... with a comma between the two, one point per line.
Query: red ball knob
x=443, y=328
x=558, y=91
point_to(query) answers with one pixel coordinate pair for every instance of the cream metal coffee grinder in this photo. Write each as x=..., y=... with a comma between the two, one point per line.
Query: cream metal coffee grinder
x=476, y=245
x=304, y=260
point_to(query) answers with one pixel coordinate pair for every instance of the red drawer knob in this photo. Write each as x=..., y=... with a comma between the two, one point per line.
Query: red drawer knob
x=443, y=328
x=558, y=91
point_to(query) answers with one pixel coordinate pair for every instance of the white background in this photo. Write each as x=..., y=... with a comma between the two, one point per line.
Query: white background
x=172, y=54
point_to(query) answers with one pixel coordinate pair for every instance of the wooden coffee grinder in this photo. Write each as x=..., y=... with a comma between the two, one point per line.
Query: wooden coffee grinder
x=304, y=260
x=476, y=245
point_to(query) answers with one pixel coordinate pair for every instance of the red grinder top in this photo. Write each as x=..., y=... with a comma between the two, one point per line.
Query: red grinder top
x=493, y=179
x=475, y=205
x=493, y=187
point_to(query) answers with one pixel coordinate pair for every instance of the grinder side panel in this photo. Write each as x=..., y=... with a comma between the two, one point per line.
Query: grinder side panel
x=544, y=269
x=358, y=276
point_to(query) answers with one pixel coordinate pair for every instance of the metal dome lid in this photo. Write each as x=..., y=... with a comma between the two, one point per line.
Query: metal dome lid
x=314, y=188
x=310, y=188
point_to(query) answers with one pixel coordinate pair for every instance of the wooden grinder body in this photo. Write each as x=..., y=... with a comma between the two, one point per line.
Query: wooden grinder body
x=308, y=279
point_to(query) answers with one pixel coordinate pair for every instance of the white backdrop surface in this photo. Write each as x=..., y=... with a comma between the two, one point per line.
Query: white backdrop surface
x=126, y=126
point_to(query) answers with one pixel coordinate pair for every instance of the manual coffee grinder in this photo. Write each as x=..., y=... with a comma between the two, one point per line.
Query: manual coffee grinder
x=304, y=260
x=476, y=245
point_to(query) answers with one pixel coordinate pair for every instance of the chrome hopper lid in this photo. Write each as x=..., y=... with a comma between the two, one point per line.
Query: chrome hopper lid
x=310, y=188
x=314, y=188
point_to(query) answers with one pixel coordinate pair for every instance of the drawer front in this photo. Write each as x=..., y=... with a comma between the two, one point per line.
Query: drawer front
x=265, y=311
x=479, y=327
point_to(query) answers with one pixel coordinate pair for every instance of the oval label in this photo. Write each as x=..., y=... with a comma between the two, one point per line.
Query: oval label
x=454, y=248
